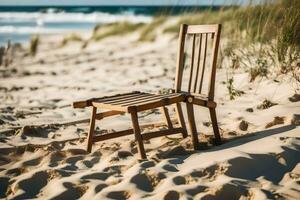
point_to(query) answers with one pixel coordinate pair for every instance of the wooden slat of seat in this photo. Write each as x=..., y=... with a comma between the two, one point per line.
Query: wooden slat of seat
x=156, y=103
x=137, y=98
x=87, y=103
x=109, y=106
x=120, y=97
x=159, y=100
x=157, y=97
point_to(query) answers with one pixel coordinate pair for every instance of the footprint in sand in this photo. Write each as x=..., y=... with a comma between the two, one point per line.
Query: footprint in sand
x=172, y=195
x=32, y=162
x=97, y=176
x=116, y=169
x=100, y=187
x=170, y=168
x=196, y=190
x=155, y=178
x=4, y=182
x=142, y=182
x=121, y=155
x=38, y=180
x=179, y=180
x=56, y=158
x=16, y=171
x=72, y=191
x=227, y=191
x=120, y=195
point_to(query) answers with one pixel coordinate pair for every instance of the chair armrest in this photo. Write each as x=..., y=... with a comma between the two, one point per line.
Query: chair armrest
x=81, y=104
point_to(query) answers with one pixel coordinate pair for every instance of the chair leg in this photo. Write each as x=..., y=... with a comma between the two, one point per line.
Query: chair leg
x=180, y=119
x=214, y=122
x=91, y=130
x=167, y=118
x=138, y=136
x=192, y=124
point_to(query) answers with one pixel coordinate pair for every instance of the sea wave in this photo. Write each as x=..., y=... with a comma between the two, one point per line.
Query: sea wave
x=96, y=17
x=29, y=30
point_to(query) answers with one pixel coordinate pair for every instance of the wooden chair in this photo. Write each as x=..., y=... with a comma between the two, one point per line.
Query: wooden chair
x=198, y=67
x=135, y=102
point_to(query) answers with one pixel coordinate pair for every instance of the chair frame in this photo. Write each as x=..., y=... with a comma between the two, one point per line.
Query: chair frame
x=133, y=111
x=161, y=101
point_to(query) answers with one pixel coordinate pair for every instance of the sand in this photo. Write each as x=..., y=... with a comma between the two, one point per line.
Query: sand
x=42, y=147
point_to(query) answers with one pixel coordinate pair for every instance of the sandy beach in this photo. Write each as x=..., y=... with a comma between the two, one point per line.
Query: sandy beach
x=42, y=138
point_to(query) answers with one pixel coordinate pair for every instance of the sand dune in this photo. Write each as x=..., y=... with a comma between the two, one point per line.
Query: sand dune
x=42, y=144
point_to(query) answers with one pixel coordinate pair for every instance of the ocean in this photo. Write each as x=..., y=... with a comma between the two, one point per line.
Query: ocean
x=18, y=24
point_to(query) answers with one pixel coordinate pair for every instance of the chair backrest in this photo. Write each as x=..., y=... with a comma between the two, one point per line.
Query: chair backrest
x=199, y=36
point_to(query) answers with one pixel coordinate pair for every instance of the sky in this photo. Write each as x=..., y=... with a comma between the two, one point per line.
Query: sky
x=123, y=2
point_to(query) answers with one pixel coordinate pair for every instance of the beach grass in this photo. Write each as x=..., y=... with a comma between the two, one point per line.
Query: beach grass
x=148, y=31
x=113, y=29
x=33, y=45
x=264, y=38
x=69, y=38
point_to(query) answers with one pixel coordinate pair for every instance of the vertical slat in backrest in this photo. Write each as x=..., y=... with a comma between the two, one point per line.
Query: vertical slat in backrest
x=198, y=61
x=199, y=52
x=180, y=57
x=192, y=62
x=203, y=64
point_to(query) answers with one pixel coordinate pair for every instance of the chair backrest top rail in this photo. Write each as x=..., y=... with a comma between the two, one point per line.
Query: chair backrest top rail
x=196, y=29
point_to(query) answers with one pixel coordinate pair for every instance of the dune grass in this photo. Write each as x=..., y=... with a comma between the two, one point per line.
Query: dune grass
x=69, y=38
x=113, y=29
x=260, y=36
x=148, y=31
x=33, y=45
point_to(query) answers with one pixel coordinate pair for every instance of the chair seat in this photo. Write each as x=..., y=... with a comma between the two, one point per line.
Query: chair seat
x=133, y=101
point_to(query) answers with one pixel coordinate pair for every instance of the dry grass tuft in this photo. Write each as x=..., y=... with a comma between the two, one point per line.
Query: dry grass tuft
x=33, y=46
x=148, y=32
x=101, y=32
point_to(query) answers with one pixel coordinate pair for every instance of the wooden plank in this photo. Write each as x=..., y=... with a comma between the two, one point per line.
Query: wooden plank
x=201, y=96
x=107, y=136
x=87, y=103
x=192, y=64
x=118, y=96
x=131, y=103
x=203, y=64
x=108, y=106
x=108, y=114
x=181, y=119
x=210, y=28
x=91, y=130
x=147, y=136
x=211, y=85
x=158, y=103
x=143, y=99
x=198, y=62
x=204, y=102
x=138, y=136
x=127, y=98
x=214, y=122
x=165, y=113
x=180, y=57
x=80, y=104
x=192, y=125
